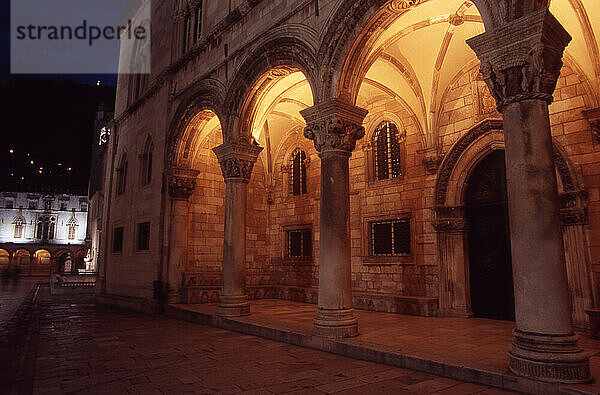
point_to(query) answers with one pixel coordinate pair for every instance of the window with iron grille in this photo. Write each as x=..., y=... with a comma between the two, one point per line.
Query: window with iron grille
x=298, y=173
x=387, y=152
x=299, y=243
x=143, y=236
x=390, y=238
x=118, y=239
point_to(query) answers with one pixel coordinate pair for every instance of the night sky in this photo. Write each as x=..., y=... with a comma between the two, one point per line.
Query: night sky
x=48, y=119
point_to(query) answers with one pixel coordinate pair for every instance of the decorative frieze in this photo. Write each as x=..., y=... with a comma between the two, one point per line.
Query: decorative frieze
x=181, y=183
x=334, y=125
x=402, y=5
x=522, y=60
x=237, y=159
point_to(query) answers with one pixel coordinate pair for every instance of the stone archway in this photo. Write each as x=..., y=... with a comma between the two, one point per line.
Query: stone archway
x=452, y=225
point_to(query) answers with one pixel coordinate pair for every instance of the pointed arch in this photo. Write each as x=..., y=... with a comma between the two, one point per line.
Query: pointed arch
x=147, y=161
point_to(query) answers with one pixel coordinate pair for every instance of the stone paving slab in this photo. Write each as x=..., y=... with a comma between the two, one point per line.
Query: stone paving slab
x=86, y=348
x=13, y=293
x=473, y=350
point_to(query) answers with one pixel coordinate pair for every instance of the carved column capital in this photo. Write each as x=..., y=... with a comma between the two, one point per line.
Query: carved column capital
x=181, y=183
x=334, y=126
x=432, y=159
x=522, y=59
x=237, y=160
x=593, y=117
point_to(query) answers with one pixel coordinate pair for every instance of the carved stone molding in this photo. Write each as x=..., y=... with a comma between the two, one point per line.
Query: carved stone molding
x=334, y=125
x=593, y=116
x=432, y=159
x=237, y=159
x=181, y=183
x=456, y=152
x=483, y=128
x=573, y=208
x=402, y=5
x=522, y=59
x=450, y=219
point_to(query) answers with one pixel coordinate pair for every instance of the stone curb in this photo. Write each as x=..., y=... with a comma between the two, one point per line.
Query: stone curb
x=354, y=348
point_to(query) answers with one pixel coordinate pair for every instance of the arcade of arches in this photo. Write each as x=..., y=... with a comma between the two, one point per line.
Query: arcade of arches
x=418, y=157
x=42, y=262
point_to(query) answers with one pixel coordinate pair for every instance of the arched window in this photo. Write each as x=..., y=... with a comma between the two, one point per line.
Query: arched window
x=147, y=162
x=72, y=227
x=186, y=29
x=46, y=227
x=387, y=151
x=122, y=175
x=19, y=223
x=298, y=173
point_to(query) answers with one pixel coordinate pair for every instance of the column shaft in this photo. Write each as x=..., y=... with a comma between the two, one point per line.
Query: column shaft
x=237, y=160
x=177, y=248
x=335, y=281
x=181, y=184
x=234, y=300
x=541, y=291
x=521, y=63
x=335, y=126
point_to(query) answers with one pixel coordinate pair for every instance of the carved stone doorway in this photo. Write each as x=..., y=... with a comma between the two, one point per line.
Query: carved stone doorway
x=490, y=268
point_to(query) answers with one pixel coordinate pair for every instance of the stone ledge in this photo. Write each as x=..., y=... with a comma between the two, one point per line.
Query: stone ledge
x=387, y=303
x=355, y=348
x=129, y=303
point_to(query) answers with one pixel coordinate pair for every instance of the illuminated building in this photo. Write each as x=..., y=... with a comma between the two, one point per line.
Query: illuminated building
x=40, y=232
x=352, y=154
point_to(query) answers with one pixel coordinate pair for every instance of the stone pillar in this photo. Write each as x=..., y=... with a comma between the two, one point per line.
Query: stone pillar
x=182, y=183
x=335, y=126
x=455, y=293
x=237, y=160
x=521, y=63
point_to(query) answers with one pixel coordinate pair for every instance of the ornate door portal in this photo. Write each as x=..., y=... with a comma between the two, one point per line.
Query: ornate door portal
x=490, y=268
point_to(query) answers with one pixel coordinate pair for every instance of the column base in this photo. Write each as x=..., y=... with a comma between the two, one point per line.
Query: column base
x=550, y=358
x=233, y=306
x=336, y=324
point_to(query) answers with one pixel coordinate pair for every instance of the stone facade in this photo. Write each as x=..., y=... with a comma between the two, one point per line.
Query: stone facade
x=228, y=106
x=40, y=231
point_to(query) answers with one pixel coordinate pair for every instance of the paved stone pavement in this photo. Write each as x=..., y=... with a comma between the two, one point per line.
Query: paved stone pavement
x=12, y=294
x=86, y=348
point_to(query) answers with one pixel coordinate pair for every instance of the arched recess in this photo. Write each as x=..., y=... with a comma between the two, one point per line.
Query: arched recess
x=4, y=258
x=42, y=257
x=58, y=260
x=451, y=224
x=270, y=61
x=205, y=97
x=21, y=260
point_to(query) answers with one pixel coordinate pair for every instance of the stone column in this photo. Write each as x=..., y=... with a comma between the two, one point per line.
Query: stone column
x=182, y=183
x=237, y=160
x=335, y=126
x=521, y=63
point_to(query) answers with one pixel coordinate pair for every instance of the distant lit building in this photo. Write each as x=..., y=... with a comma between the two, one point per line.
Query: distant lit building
x=102, y=131
x=40, y=233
